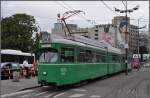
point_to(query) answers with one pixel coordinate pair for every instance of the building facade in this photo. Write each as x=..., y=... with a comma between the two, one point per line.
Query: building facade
x=133, y=38
x=103, y=33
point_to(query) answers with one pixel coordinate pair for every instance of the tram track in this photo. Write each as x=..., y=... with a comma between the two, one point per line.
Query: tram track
x=127, y=87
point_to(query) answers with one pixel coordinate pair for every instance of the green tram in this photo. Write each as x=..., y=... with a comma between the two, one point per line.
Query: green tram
x=69, y=60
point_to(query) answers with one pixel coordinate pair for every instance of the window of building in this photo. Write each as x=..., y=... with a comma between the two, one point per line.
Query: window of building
x=96, y=34
x=96, y=26
x=96, y=30
x=96, y=38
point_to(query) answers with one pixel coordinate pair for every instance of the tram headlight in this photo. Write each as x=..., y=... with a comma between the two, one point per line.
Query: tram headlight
x=44, y=73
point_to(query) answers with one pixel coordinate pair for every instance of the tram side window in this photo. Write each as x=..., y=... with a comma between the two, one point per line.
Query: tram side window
x=100, y=57
x=48, y=56
x=81, y=56
x=88, y=56
x=67, y=55
x=115, y=58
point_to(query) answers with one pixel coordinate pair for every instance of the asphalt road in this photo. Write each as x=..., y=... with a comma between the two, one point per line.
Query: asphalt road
x=134, y=85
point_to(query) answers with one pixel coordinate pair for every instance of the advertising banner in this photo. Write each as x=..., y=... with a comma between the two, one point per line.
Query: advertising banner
x=121, y=43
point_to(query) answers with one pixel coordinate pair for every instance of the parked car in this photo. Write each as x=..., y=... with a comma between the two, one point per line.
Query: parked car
x=136, y=63
x=7, y=69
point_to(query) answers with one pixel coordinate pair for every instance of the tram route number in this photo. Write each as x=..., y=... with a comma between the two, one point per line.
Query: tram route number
x=63, y=71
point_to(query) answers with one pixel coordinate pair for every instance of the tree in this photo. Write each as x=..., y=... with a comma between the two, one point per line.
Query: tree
x=36, y=44
x=17, y=31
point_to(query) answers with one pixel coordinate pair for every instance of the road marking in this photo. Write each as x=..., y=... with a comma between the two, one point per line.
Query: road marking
x=41, y=93
x=142, y=70
x=16, y=93
x=133, y=91
x=46, y=86
x=48, y=95
x=59, y=95
x=119, y=91
x=26, y=95
x=76, y=95
x=129, y=91
x=95, y=96
x=79, y=90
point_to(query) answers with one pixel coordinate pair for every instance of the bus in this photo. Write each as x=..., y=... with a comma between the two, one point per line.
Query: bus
x=13, y=59
x=73, y=59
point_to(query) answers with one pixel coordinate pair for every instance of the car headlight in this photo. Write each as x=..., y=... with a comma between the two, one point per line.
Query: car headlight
x=44, y=73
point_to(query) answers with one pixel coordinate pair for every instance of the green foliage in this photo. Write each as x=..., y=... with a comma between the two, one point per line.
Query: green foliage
x=17, y=31
x=36, y=44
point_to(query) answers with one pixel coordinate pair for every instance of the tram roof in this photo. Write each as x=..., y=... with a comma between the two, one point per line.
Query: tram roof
x=83, y=42
x=80, y=41
x=15, y=52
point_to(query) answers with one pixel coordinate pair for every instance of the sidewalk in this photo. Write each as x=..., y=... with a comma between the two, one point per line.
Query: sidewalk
x=8, y=86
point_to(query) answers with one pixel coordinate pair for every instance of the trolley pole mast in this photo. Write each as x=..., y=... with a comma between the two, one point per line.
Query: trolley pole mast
x=67, y=15
x=126, y=32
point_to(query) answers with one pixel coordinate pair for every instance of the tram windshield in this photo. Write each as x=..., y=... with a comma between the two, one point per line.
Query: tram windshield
x=48, y=56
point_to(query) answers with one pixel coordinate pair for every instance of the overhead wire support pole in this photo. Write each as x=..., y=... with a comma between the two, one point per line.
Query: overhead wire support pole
x=126, y=31
x=138, y=38
x=126, y=44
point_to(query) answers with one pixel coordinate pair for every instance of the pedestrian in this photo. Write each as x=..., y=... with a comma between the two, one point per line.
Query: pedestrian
x=26, y=67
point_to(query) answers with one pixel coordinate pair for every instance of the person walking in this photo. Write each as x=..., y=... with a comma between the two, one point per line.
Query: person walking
x=26, y=67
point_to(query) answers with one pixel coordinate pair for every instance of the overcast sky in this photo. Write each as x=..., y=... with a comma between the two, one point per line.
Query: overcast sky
x=46, y=12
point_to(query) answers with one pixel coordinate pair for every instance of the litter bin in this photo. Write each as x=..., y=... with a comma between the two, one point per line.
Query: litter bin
x=15, y=76
x=16, y=73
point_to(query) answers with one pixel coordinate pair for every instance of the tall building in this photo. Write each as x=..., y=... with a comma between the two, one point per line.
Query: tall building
x=133, y=38
x=58, y=29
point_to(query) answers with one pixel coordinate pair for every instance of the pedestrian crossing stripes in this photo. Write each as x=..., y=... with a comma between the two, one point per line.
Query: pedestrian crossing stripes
x=95, y=96
x=82, y=90
x=16, y=93
x=76, y=95
x=26, y=95
x=47, y=94
x=41, y=93
x=59, y=95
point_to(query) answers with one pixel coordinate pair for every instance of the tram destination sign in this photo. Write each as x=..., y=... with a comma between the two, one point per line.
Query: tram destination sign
x=45, y=45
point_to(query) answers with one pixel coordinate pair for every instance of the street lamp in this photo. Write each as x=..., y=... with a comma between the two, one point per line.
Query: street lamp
x=126, y=42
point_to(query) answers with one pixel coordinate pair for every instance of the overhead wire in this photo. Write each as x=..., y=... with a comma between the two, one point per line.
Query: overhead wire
x=109, y=8
x=86, y=19
x=69, y=8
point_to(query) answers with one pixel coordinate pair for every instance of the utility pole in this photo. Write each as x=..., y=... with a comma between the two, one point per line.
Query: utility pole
x=126, y=42
x=138, y=38
x=126, y=32
x=149, y=42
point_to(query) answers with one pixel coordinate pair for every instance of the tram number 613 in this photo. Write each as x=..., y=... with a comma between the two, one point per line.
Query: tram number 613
x=63, y=71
